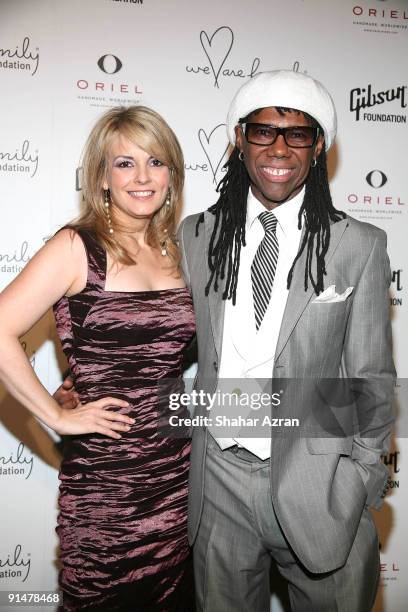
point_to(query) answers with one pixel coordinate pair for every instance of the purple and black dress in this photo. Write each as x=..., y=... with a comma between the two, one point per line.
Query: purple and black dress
x=123, y=503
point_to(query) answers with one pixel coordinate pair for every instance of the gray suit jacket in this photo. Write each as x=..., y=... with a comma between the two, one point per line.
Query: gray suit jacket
x=320, y=484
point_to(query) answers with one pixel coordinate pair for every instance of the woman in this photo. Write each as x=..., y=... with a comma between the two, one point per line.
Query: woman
x=124, y=317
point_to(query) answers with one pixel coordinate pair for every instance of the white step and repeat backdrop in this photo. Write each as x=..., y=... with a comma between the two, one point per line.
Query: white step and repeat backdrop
x=63, y=62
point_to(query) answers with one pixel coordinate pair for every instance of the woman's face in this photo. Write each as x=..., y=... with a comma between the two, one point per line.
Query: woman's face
x=138, y=182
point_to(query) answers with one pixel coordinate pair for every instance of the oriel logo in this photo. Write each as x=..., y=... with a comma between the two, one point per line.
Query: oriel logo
x=110, y=64
x=376, y=179
x=376, y=17
x=392, y=13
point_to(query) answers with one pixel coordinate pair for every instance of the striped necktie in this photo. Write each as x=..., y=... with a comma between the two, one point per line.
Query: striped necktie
x=263, y=267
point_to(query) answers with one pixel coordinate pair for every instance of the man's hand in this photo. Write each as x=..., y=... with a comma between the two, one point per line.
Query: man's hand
x=66, y=396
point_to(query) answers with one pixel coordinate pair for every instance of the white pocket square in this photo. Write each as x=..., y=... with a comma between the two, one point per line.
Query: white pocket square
x=329, y=295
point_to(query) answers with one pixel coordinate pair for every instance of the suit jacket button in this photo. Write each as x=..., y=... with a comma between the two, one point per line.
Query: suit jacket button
x=215, y=364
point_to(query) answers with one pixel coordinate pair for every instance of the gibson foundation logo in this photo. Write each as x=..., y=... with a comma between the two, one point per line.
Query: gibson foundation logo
x=214, y=145
x=216, y=48
x=397, y=287
x=22, y=57
x=365, y=97
x=16, y=463
x=108, y=92
x=15, y=564
x=13, y=262
x=391, y=460
x=396, y=279
x=21, y=160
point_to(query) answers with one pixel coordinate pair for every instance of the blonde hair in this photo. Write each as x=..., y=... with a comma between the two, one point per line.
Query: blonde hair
x=149, y=131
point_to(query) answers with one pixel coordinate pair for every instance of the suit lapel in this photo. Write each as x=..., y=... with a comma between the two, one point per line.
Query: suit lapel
x=215, y=302
x=298, y=298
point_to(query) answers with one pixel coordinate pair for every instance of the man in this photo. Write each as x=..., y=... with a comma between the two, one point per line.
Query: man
x=286, y=286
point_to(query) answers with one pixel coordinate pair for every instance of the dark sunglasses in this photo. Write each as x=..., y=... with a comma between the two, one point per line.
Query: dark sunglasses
x=297, y=137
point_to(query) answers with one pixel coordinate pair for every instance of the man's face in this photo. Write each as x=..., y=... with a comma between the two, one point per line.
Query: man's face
x=277, y=172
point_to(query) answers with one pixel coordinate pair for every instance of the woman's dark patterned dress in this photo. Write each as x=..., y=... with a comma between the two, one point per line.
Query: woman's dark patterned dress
x=123, y=503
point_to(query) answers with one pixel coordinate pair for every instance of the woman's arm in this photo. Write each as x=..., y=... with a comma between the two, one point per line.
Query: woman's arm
x=58, y=269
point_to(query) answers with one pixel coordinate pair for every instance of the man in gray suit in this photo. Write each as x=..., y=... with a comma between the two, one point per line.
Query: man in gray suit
x=287, y=287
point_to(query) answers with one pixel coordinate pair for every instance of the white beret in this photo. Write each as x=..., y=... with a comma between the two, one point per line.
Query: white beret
x=288, y=89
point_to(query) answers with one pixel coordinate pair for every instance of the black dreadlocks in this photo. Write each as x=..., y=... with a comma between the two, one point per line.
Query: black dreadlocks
x=230, y=216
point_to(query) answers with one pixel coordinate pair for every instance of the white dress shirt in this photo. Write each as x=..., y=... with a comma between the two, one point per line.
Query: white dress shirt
x=247, y=353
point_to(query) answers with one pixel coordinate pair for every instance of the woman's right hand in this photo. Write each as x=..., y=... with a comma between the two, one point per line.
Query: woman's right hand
x=94, y=417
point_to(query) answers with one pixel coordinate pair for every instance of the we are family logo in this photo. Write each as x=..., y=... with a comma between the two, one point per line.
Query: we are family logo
x=21, y=159
x=214, y=147
x=22, y=57
x=12, y=261
x=15, y=563
x=16, y=462
x=217, y=47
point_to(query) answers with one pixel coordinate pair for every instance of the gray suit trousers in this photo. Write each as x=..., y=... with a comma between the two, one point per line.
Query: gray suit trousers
x=239, y=535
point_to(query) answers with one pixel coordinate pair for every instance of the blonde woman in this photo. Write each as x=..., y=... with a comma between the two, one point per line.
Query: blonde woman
x=124, y=317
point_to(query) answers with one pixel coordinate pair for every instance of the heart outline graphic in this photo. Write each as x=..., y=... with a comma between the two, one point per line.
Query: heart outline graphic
x=202, y=133
x=205, y=40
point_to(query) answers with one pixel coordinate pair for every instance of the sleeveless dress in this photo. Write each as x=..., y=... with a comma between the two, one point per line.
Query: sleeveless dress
x=123, y=503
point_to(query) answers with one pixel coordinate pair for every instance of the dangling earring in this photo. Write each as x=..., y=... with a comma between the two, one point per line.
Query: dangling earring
x=241, y=156
x=106, y=194
x=167, y=203
x=164, y=245
x=314, y=162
